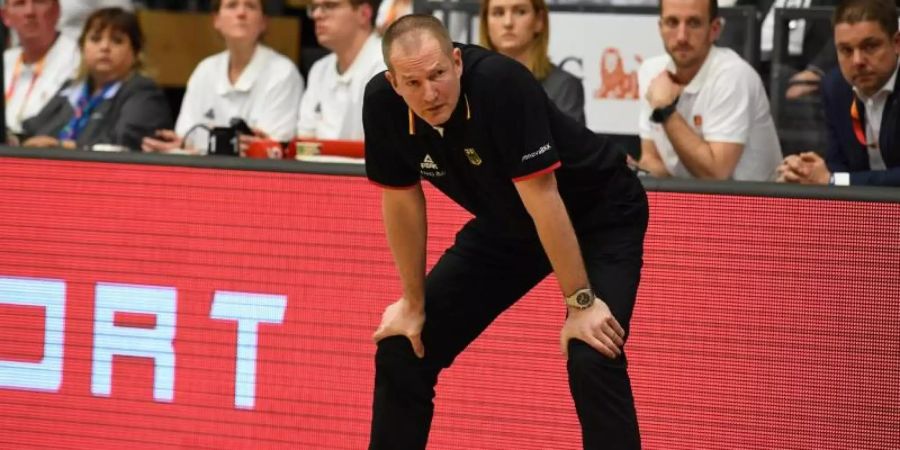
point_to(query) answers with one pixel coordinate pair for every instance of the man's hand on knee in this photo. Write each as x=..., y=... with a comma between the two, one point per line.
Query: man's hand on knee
x=401, y=318
x=597, y=327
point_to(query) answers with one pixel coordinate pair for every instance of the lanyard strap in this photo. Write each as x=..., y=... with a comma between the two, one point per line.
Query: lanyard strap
x=83, y=108
x=855, y=118
x=17, y=72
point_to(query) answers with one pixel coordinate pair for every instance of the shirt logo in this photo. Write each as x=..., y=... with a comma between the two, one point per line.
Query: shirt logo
x=473, y=156
x=429, y=168
x=428, y=163
x=698, y=121
x=211, y=114
x=544, y=149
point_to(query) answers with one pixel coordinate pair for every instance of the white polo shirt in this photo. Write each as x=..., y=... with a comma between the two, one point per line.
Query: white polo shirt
x=332, y=106
x=30, y=86
x=725, y=102
x=265, y=96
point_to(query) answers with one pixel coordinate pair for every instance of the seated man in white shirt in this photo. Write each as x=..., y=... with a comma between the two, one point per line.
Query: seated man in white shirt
x=332, y=106
x=705, y=113
x=41, y=64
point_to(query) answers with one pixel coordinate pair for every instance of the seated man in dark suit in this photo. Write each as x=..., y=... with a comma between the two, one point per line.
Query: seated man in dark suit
x=861, y=106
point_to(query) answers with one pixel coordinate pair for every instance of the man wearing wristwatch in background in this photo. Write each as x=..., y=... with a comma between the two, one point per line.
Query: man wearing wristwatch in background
x=548, y=195
x=704, y=111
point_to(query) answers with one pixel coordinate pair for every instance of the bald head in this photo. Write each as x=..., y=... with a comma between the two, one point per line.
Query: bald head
x=408, y=34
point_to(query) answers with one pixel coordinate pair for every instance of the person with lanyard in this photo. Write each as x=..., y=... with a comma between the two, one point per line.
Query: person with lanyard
x=547, y=195
x=40, y=65
x=862, y=110
x=112, y=103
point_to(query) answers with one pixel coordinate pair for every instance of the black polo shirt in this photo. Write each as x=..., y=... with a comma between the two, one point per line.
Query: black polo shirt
x=504, y=129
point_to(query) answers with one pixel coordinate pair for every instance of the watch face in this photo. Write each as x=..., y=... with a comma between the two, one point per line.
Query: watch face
x=584, y=299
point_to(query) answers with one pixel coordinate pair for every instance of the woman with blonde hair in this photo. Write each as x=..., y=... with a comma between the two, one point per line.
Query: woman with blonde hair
x=520, y=29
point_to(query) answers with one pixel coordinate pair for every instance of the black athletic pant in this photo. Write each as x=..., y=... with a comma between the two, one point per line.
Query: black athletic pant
x=481, y=275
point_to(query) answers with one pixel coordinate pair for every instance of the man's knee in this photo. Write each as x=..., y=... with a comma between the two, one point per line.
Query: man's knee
x=394, y=352
x=397, y=365
x=585, y=360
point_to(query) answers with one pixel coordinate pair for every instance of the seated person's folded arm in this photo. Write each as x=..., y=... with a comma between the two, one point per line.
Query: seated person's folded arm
x=705, y=160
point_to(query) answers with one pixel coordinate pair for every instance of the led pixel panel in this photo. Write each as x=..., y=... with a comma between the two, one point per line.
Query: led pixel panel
x=170, y=307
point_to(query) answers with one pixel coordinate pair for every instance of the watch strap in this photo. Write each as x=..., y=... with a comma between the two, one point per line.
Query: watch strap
x=660, y=115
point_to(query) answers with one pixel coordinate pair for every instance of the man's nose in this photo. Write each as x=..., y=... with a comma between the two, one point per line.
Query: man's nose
x=859, y=59
x=681, y=33
x=431, y=92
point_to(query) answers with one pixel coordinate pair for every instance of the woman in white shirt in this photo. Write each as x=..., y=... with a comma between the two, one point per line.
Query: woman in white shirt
x=248, y=81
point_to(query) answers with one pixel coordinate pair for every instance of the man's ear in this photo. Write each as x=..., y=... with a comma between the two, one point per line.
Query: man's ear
x=391, y=80
x=716, y=28
x=366, y=13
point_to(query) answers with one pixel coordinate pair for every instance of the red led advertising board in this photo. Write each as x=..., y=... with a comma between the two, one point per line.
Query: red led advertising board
x=169, y=307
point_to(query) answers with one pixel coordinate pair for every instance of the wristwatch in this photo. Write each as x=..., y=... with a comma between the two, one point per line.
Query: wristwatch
x=660, y=115
x=581, y=299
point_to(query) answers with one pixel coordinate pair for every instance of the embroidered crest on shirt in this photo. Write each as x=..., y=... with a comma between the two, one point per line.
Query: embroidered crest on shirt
x=429, y=168
x=473, y=156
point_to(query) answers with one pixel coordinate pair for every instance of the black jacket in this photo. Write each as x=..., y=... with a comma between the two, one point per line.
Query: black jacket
x=137, y=109
x=845, y=152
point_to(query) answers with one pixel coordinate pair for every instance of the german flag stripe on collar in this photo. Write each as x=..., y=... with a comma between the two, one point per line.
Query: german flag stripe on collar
x=412, y=116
